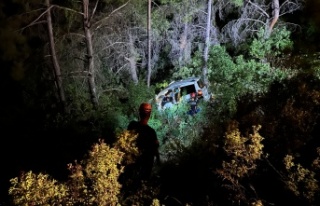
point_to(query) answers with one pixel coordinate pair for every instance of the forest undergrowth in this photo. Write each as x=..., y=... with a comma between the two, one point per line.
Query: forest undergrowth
x=265, y=154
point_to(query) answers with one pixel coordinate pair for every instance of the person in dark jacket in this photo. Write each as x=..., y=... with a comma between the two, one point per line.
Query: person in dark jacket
x=194, y=109
x=147, y=142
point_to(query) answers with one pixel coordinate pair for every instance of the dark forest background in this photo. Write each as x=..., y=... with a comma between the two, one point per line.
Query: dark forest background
x=259, y=74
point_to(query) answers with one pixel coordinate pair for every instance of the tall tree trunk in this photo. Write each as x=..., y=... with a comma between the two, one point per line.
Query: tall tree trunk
x=132, y=60
x=275, y=16
x=184, y=50
x=56, y=66
x=89, y=56
x=149, y=43
x=207, y=45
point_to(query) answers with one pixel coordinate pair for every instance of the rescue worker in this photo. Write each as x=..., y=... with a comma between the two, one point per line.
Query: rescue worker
x=199, y=94
x=168, y=100
x=193, y=104
x=147, y=142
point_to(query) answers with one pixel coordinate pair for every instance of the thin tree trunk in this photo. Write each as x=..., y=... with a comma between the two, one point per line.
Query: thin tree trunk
x=56, y=66
x=132, y=60
x=207, y=45
x=89, y=56
x=149, y=43
x=275, y=16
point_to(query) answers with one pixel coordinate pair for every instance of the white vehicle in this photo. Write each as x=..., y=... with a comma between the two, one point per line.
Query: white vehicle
x=179, y=91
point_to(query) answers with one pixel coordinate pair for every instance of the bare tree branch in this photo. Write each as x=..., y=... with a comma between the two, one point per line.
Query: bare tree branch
x=93, y=11
x=67, y=9
x=289, y=7
x=259, y=8
x=43, y=13
x=39, y=17
x=101, y=20
x=75, y=34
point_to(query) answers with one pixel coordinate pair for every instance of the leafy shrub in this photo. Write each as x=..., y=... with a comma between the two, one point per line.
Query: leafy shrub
x=92, y=181
x=232, y=78
x=137, y=93
x=300, y=180
x=37, y=189
x=178, y=130
x=262, y=47
x=242, y=154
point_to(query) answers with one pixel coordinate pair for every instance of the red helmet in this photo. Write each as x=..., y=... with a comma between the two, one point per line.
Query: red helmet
x=145, y=107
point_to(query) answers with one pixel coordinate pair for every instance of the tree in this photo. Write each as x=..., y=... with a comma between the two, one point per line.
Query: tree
x=81, y=62
x=149, y=43
x=121, y=42
x=89, y=56
x=46, y=17
x=207, y=45
x=180, y=25
x=56, y=65
x=254, y=15
x=275, y=14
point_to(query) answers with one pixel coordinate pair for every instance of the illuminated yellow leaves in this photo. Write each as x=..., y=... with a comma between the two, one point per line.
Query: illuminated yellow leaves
x=93, y=181
x=36, y=189
x=301, y=181
x=126, y=144
x=242, y=152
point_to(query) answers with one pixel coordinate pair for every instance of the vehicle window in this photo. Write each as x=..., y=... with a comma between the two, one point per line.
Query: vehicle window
x=187, y=90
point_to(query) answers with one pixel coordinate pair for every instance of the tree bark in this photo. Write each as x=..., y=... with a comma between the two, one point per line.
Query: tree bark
x=207, y=45
x=56, y=66
x=89, y=56
x=184, y=52
x=275, y=16
x=132, y=60
x=149, y=43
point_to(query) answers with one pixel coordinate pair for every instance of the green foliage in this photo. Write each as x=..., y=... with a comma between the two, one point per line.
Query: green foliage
x=193, y=69
x=177, y=130
x=237, y=3
x=159, y=23
x=169, y=1
x=184, y=72
x=231, y=78
x=161, y=85
x=262, y=47
x=138, y=93
x=80, y=104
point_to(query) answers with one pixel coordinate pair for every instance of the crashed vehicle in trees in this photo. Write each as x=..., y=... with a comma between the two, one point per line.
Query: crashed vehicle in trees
x=180, y=91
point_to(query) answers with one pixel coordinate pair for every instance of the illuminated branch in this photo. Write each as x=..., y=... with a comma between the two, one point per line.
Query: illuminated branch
x=98, y=22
